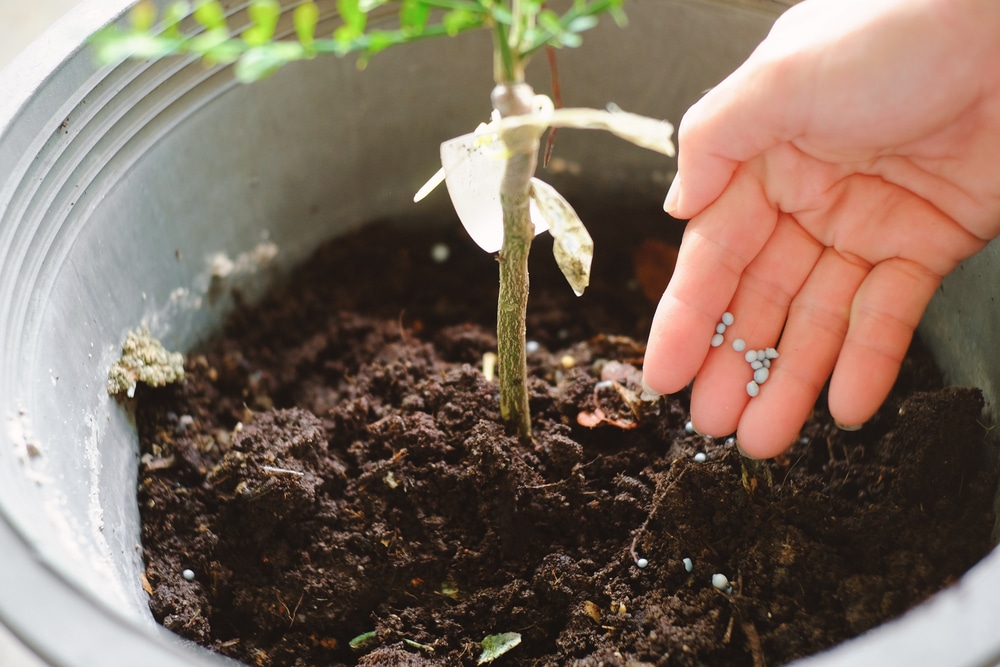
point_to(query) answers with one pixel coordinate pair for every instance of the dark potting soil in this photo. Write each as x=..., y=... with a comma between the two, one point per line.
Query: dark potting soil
x=334, y=469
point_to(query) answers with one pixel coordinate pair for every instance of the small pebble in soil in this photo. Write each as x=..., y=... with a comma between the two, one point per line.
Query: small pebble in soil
x=721, y=582
x=700, y=457
x=188, y=575
x=688, y=564
x=642, y=563
x=753, y=388
x=717, y=340
x=183, y=423
x=739, y=345
x=728, y=319
x=440, y=252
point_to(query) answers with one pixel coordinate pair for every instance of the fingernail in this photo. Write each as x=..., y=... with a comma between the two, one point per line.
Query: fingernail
x=743, y=453
x=648, y=393
x=695, y=429
x=847, y=427
x=673, y=197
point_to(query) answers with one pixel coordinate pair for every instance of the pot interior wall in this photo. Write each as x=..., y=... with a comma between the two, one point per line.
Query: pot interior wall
x=128, y=184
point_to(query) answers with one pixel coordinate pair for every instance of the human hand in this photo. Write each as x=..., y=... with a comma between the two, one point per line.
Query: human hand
x=831, y=182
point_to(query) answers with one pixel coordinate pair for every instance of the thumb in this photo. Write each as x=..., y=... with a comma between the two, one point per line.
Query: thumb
x=708, y=176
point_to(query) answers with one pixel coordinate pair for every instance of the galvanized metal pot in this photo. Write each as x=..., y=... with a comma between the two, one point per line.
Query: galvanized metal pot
x=120, y=186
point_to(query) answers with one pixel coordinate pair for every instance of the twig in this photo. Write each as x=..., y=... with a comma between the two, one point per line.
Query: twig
x=281, y=471
x=753, y=639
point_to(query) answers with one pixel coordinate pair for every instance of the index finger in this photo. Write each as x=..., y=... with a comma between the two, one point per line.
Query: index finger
x=717, y=246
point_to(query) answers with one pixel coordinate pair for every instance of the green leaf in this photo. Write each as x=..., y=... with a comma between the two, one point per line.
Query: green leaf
x=306, y=17
x=173, y=15
x=380, y=40
x=495, y=646
x=264, y=14
x=413, y=16
x=567, y=39
x=582, y=23
x=617, y=13
x=210, y=44
x=457, y=20
x=223, y=53
x=415, y=644
x=263, y=61
x=353, y=17
x=362, y=640
x=113, y=45
x=501, y=14
x=531, y=7
x=549, y=20
x=211, y=15
x=142, y=16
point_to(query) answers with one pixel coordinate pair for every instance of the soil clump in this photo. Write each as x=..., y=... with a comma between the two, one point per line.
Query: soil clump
x=334, y=472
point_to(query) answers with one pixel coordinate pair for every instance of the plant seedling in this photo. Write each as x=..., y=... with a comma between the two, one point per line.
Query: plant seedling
x=489, y=173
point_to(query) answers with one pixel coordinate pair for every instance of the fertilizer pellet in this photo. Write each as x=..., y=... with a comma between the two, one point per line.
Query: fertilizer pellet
x=728, y=319
x=700, y=457
x=717, y=340
x=760, y=375
x=188, y=575
x=642, y=563
x=440, y=253
x=739, y=345
x=720, y=328
x=753, y=388
x=721, y=582
x=688, y=564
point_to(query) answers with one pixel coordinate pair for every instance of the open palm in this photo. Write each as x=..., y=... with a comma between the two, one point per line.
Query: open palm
x=830, y=182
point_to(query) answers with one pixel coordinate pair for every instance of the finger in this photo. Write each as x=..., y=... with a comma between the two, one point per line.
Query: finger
x=701, y=176
x=886, y=310
x=760, y=307
x=814, y=334
x=716, y=248
x=732, y=123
